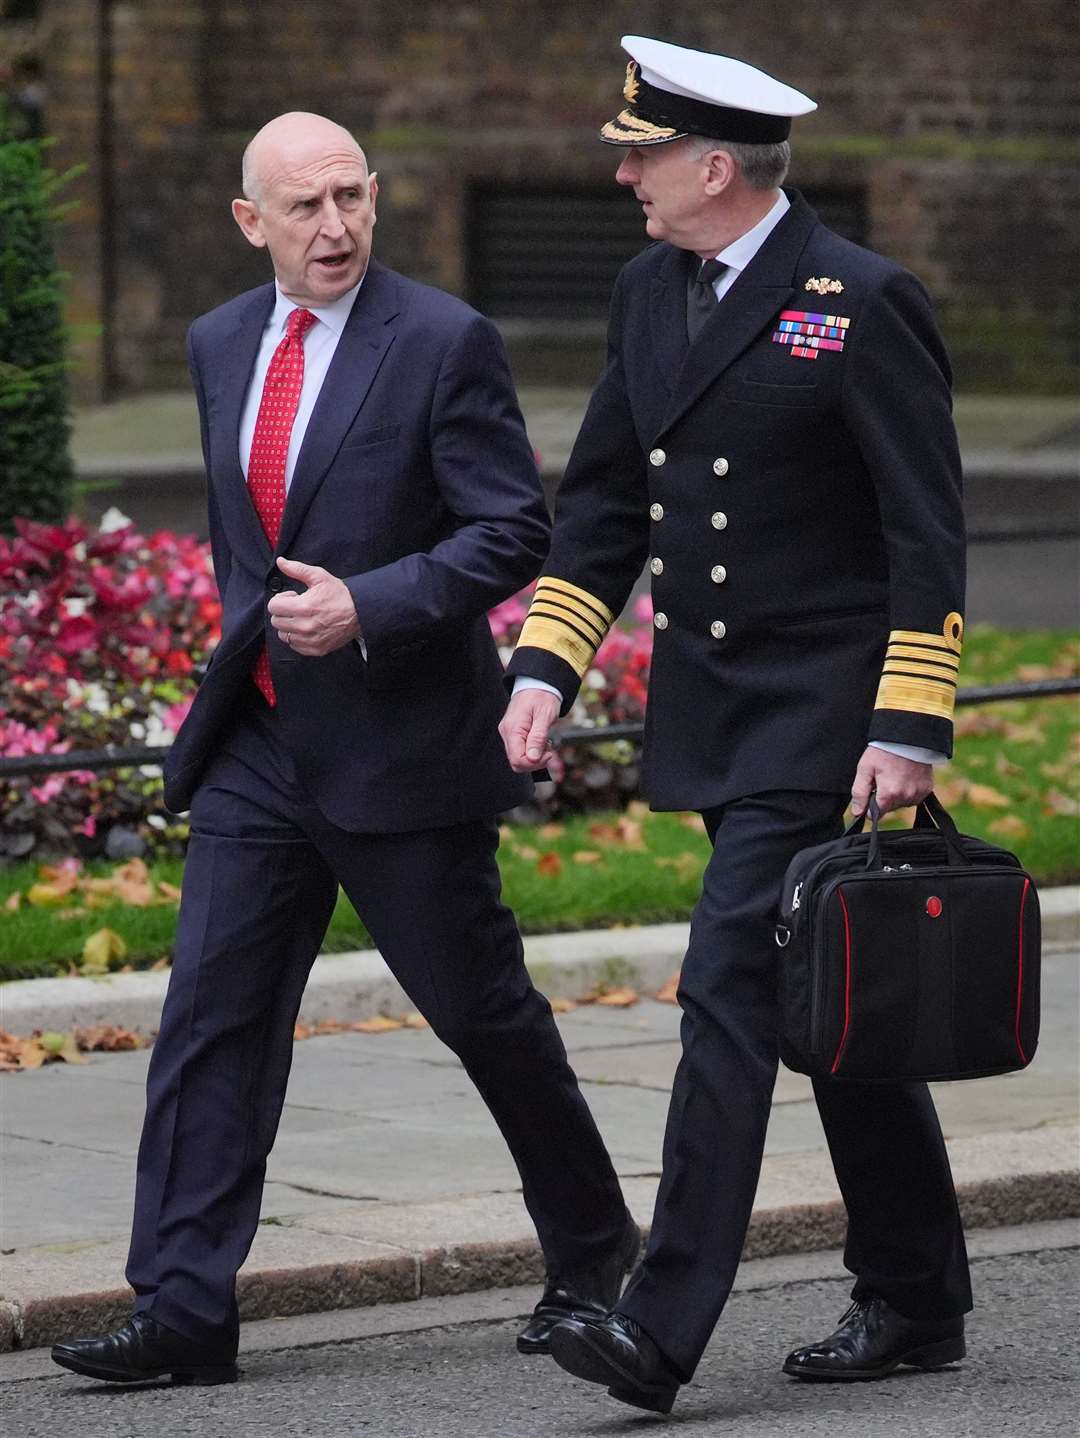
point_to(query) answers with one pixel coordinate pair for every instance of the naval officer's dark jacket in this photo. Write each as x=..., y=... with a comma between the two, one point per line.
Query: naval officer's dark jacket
x=794, y=481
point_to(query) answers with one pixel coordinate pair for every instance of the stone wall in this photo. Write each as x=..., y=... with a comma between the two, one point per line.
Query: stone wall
x=958, y=118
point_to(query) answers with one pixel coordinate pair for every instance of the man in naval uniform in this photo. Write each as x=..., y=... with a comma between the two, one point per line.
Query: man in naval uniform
x=773, y=434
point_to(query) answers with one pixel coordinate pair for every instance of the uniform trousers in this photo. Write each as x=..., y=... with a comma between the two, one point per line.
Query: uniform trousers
x=260, y=884
x=905, y=1241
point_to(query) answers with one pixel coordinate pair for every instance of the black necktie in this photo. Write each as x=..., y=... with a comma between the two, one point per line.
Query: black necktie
x=701, y=298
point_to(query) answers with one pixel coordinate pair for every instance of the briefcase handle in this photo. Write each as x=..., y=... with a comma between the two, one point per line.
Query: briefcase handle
x=930, y=814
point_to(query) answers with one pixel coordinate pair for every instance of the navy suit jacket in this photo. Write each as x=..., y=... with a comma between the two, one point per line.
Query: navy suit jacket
x=416, y=485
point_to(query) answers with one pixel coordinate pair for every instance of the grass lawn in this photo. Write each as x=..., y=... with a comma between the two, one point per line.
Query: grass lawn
x=1014, y=781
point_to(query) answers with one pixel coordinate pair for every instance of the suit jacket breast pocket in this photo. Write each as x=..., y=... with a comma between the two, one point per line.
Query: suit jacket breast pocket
x=366, y=438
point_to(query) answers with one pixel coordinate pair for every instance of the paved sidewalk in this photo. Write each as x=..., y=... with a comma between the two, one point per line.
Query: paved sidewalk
x=389, y=1181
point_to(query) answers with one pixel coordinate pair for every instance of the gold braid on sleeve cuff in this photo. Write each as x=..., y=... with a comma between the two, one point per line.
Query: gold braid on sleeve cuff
x=919, y=674
x=566, y=621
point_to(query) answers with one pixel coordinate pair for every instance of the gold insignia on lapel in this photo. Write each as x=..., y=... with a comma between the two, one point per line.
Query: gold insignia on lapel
x=630, y=89
x=825, y=286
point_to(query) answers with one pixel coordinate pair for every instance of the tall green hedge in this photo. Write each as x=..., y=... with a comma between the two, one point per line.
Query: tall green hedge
x=35, y=466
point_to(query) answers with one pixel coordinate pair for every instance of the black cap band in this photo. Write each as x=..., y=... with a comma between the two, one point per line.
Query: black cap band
x=696, y=117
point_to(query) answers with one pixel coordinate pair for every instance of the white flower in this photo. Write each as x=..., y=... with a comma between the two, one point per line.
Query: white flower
x=113, y=519
x=75, y=606
x=595, y=679
x=96, y=699
x=137, y=731
x=157, y=821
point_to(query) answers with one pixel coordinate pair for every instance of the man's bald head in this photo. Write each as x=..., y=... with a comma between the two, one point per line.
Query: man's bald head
x=289, y=140
x=309, y=199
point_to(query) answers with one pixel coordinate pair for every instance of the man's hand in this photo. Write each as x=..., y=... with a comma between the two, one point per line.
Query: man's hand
x=895, y=782
x=319, y=621
x=525, y=728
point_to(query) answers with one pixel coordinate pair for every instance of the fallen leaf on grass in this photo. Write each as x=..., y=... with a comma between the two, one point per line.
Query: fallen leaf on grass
x=970, y=722
x=380, y=1024
x=551, y=831
x=53, y=893
x=694, y=822
x=982, y=796
x=163, y=963
x=625, y=833
x=101, y=950
x=638, y=809
x=1004, y=766
x=13, y=902
x=1065, y=805
x=951, y=791
x=18, y=1053
x=669, y=993
x=169, y=891
x=524, y=851
x=1065, y=772
x=1009, y=827
x=549, y=864
x=80, y=911
x=685, y=865
x=1032, y=733
x=618, y=998
x=588, y=856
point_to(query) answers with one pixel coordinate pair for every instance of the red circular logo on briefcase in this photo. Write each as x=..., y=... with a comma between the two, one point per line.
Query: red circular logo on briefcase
x=933, y=906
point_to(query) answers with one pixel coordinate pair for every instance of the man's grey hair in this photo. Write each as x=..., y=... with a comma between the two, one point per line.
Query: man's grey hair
x=249, y=183
x=763, y=167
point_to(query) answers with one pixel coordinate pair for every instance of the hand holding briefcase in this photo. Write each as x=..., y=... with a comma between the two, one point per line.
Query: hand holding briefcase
x=911, y=955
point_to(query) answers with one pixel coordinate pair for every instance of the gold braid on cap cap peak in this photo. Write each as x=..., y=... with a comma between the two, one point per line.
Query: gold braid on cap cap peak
x=566, y=621
x=920, y=670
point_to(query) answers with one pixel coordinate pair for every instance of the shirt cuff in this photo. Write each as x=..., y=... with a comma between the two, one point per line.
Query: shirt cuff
x=524, y=682
x=911, y=751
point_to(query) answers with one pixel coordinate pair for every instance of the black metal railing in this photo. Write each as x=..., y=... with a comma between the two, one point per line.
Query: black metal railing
x=116, y=756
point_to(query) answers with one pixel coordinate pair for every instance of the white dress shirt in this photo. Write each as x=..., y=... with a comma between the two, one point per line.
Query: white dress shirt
x=320, y=342
x=736, y=257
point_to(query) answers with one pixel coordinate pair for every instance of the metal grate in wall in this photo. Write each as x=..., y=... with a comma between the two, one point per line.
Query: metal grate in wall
x=543, y=253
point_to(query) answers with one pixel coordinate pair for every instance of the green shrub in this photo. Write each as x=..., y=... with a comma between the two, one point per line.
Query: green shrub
x=35, y=466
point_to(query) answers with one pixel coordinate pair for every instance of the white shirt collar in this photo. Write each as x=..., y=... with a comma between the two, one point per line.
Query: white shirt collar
x=740, y=252
x=334, y=315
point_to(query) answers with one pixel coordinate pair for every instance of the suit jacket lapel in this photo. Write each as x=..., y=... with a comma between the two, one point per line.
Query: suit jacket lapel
x=667, y=314
x=226, y=391
x=367, y=336
x=753, y=301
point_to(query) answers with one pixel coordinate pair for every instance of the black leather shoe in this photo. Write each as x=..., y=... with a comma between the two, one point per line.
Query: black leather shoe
x=873, y=1340
x=615, y=1351
x=144, y=1349
x=592, y=1292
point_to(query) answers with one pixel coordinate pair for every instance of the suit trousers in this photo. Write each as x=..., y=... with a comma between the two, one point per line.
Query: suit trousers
x=260, y=884
x=905, y=1241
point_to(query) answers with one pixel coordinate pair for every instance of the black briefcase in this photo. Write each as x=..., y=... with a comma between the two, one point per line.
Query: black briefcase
x=908, y=955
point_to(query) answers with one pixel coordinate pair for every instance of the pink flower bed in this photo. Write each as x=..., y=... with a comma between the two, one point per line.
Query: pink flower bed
x=99, y=631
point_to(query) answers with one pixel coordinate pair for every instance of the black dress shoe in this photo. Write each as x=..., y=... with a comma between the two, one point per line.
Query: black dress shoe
x=617, y=1352
x=144, y=1349
x=873, y=1340
x=592, y=1291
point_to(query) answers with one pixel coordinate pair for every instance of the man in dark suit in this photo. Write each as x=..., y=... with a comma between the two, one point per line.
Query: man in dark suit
x=372, y=494
x=773, y=427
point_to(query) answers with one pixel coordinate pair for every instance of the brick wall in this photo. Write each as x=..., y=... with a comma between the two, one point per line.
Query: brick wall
x=958, y=119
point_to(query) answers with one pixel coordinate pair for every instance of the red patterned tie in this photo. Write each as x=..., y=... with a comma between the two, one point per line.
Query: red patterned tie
x=270, y=449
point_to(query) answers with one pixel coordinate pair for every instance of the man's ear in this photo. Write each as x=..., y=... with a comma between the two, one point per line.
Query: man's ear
x=246, y=215
x=721, y=171
x=373, y=189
